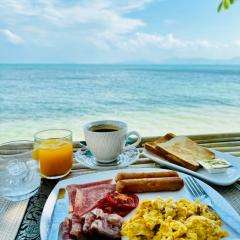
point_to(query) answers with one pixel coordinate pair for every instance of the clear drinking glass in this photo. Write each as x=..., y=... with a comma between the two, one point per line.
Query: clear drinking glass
x=19, y=172
x=54, y=150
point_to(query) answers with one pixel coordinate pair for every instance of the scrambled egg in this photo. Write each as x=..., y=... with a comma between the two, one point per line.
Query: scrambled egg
x=161, y=219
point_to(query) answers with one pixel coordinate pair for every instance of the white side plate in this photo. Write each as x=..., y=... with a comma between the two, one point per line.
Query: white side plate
x=223, y=179
x=183, y=193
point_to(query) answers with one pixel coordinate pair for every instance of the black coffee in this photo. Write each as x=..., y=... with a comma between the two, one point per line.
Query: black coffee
x=104, y=128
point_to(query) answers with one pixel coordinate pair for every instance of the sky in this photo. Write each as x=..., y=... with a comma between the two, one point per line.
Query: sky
x=111, y=31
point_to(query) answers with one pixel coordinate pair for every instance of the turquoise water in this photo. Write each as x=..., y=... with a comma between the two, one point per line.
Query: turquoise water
x=153, y=99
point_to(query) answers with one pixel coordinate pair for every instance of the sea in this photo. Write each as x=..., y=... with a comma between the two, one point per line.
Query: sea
x=152, y=99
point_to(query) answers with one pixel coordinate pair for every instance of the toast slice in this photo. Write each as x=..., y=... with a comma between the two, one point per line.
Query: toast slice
x=179, y=150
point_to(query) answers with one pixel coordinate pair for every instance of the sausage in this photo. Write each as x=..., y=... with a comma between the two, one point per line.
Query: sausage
x=137, y=175
x=149, y=185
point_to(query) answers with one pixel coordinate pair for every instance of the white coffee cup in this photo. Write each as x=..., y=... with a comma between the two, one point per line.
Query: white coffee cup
x=106, y=139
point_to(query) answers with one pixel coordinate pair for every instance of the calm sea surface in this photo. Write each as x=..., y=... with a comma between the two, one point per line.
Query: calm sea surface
x=153, y=99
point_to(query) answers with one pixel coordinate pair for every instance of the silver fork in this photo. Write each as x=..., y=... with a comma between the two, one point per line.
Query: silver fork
x=198, y=193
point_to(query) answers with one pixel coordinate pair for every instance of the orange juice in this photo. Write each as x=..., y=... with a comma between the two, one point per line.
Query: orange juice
x=55, y=157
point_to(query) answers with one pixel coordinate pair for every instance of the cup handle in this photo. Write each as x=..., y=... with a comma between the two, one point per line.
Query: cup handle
x=133, y=144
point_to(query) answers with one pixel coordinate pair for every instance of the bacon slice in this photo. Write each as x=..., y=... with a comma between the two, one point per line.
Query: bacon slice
x=87, y=198
x=72, y=189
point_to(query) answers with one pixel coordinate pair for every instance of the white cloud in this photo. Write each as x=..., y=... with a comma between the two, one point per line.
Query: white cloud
x=34, y=7
x=129, y=5
x=199, y=44
x=104, y=14
x=11, y=37
x=170, y=41
x=236, y=43
x=102, y=28
x=105, y=23
x=142, y=40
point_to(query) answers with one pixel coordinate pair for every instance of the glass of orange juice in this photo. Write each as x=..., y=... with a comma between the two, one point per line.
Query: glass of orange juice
x=54, y=150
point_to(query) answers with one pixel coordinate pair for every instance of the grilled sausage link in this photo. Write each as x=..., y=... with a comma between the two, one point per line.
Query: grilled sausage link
x=137, y=175
x=149, y=185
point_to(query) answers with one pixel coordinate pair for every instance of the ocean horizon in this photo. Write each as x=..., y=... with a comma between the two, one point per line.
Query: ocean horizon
x=153, y=99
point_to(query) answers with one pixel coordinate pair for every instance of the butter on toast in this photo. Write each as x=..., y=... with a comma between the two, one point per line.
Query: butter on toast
x=179, y=150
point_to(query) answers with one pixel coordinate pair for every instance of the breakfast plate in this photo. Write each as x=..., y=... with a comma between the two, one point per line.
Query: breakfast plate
x=231, y=175
x=55, y=209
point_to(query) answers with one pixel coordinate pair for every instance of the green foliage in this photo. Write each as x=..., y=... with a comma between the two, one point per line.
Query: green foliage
x=225, y=3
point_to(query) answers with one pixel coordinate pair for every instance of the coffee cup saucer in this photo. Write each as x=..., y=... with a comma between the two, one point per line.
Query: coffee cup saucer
x=126, y=158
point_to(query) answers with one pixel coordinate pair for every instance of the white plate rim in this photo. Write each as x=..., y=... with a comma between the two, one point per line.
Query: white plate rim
x=219, y=181
x=51, y=200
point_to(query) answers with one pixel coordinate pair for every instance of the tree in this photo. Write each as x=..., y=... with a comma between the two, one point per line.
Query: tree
x=225, y=3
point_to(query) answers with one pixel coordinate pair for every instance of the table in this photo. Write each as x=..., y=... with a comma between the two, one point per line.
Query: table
x=226, y=142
